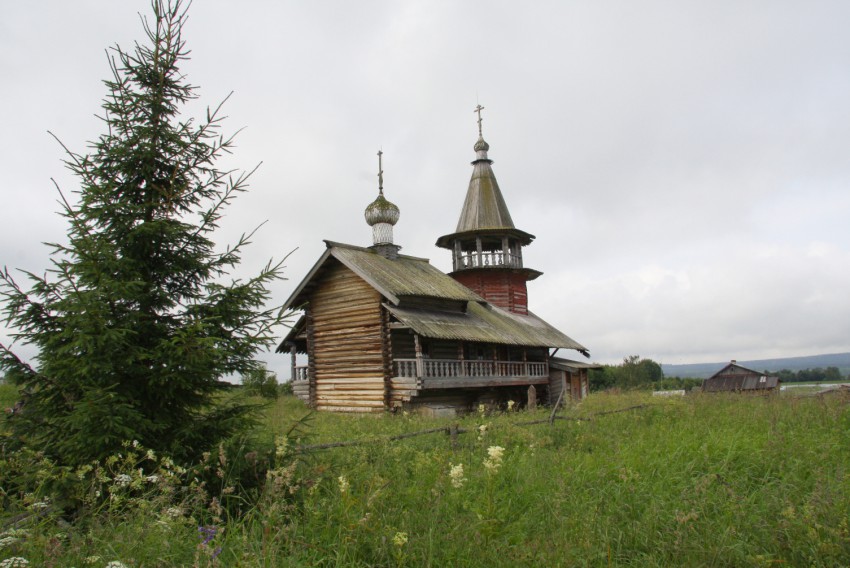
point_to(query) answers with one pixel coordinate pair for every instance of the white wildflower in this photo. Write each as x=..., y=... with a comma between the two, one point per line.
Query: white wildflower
x=152, y=478
x=511, y=405
x=116, y=564
x=174, y=512
x=343, y=484
x=123, y=480
x=135, y=443
x=481, y=408
x=456, y=475
x=8, y=541
x=494, y=460
x=15, y=562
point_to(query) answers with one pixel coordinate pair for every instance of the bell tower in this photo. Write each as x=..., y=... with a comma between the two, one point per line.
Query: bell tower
x=486, y=246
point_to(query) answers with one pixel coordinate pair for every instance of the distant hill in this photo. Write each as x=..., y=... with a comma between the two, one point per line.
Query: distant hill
x=705, y=370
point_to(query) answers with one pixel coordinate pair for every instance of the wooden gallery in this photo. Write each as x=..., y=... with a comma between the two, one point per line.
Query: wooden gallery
x=383, y=330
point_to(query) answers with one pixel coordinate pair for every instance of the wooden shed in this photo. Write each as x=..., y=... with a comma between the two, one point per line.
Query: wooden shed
x=737, y=378
x=569, y=376
x=382, y=330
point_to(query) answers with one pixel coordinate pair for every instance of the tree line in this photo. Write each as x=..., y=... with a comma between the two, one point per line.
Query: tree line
x=816, y=375
x=637, y=373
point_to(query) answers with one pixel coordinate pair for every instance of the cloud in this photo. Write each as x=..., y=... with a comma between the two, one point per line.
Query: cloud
x=682, y=165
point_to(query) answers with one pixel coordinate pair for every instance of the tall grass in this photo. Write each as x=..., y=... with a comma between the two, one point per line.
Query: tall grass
x=700, y=481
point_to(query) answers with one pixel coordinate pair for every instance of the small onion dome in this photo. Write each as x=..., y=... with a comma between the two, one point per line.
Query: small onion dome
x=381, y=211
x=481, y=145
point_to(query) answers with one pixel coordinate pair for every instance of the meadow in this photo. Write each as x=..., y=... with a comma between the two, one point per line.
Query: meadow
x=694, y=481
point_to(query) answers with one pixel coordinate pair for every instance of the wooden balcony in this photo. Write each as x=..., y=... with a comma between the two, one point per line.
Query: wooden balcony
x=455, y=373
x=300, y=373
x=486, y=259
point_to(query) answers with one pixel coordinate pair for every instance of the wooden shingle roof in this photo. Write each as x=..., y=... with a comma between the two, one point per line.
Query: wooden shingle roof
x=405, y=277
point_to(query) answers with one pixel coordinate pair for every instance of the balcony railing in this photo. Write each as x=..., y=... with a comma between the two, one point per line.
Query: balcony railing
x=486, y=259
x=300, y=373
x=445, y=368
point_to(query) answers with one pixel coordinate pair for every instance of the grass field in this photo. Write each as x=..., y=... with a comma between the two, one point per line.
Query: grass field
x=696, y=481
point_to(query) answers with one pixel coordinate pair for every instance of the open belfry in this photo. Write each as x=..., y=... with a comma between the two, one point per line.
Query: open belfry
x=382, y=330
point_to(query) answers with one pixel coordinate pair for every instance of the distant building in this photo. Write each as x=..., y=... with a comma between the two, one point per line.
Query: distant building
x=383, y=330
x=735, y=378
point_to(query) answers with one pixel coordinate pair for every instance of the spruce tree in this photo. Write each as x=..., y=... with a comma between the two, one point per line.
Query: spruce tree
x=137, y=321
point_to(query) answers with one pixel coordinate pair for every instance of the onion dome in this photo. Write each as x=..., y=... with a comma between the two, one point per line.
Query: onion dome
x=481, y=148
x=381, y=211
x=381, y=215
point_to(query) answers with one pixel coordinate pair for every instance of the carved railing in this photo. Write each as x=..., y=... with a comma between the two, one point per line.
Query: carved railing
x=486, y=259
x=300, y=373
x=457, y=368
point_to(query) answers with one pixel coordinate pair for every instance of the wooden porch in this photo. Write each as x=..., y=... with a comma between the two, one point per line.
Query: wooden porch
x=413, y=376
x=459, y=373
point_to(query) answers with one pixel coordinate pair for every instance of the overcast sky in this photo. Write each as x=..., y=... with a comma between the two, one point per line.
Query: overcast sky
x=685, y=166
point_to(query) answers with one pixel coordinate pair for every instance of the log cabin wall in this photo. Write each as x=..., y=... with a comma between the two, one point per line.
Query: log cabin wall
x=441, y=349
x=347, y=355
x=403, y=344
x=505, y=289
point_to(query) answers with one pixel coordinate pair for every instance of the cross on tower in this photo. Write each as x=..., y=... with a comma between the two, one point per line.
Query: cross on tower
x=380, y=174
x=478, y=109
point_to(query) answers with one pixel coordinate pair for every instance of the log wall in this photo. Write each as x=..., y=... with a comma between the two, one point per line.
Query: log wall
x=347, y=356
x=502, y=288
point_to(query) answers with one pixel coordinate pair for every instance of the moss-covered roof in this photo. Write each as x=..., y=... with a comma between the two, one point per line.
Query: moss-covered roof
x=394, y=279
x=408, y=276
x=485, y=324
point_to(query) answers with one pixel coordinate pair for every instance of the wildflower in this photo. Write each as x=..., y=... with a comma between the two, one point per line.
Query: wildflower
x=510, y=405
x=482, y=429
x=116, y=564
x=456, y=475
x=122, y=480
x=150, y=455
x=92, y=559
x=494, y=459
x=135, y=445
x=174, y=512
x=281, y=443
x=481, y=408
x=152, y=478
x=15, y=562
x=400, y=539
x=8, y=541
x=207, y=534
x=343, y=484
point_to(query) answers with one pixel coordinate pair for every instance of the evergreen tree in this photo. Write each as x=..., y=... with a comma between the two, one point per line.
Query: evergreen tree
x=137, y=321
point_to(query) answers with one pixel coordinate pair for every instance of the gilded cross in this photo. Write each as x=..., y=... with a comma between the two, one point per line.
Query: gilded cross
x=380, y=174
x=478, y=109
